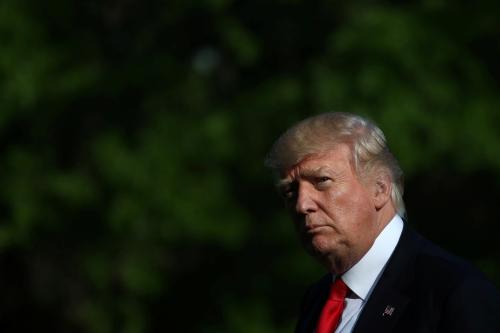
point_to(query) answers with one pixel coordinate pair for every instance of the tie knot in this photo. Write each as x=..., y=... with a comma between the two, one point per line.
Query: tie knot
x=338, y=290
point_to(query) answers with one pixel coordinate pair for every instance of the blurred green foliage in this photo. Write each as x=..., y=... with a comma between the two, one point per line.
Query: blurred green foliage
x=132, y=191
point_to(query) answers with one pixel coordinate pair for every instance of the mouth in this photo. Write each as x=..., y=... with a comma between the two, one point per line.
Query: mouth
x=312, y=229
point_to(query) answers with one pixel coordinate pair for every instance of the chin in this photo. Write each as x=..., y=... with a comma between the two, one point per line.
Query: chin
x=322, y=246
x=329, y=253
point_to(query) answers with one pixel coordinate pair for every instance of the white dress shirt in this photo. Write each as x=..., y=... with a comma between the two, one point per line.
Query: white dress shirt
x=363, y=276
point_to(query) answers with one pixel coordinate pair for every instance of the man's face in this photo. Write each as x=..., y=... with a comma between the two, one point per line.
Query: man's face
x=333, y=211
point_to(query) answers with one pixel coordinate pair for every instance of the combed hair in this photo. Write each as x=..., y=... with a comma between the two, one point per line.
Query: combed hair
x=321, y=133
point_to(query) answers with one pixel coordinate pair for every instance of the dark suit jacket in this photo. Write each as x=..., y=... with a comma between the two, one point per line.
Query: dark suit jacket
x=429, y=289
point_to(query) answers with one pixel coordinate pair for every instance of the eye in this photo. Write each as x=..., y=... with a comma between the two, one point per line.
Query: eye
x=322, y=182
x=289, y=192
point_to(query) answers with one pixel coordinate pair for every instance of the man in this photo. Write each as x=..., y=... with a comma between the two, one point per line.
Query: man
x=344, y=190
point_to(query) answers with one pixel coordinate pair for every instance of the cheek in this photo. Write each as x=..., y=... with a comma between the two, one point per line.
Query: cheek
x=363, y=217
x=341, y=203
x=350, y=209
x=359, y=199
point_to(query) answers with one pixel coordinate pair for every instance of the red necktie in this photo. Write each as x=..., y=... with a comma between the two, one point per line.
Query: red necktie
x=332, y=310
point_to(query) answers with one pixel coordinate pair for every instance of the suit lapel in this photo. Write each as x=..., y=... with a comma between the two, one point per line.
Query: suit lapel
x=382, y=312
x=313, y=304
x=392, y=294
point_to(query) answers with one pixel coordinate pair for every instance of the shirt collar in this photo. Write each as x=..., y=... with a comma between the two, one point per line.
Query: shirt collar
x=361, y=277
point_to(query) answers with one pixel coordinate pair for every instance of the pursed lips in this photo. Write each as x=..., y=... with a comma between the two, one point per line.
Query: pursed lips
x=314, y=228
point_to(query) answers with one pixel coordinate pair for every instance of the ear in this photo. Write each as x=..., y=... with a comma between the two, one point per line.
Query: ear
x=382, y=188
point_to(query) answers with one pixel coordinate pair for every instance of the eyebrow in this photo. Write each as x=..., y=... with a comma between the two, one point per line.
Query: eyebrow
x=306, y=173
x=283, y=183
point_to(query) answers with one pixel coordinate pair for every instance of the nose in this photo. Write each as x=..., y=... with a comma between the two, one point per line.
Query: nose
x=305, y=203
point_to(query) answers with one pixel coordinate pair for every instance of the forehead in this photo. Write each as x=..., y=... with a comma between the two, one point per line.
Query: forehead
x=335, y=160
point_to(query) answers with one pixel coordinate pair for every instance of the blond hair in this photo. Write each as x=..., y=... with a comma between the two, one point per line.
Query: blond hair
x=322, y=132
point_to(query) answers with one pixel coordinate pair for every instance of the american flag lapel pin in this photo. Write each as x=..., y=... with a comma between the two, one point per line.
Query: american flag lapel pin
x=389, y=310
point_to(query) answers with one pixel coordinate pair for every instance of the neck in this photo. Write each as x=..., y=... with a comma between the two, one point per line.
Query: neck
x=386, y=214
x=340, y=265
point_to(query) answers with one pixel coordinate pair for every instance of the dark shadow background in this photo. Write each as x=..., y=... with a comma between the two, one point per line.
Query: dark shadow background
x=133, y=196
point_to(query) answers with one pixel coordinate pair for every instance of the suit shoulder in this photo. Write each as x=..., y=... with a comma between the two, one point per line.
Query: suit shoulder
x=447, y=292
x=456, y=281
x=442, y=266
